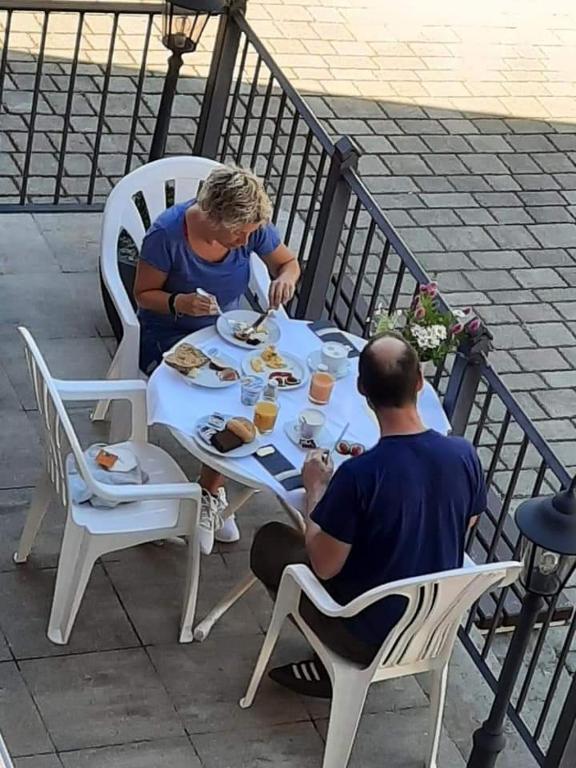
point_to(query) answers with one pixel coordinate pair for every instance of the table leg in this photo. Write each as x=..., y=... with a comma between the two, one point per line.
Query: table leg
x=202, y=629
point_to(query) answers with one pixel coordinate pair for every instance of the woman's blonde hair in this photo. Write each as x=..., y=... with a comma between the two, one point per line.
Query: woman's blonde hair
x=234, y=197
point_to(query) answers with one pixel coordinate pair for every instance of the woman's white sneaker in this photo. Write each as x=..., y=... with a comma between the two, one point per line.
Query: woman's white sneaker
x=228, y=533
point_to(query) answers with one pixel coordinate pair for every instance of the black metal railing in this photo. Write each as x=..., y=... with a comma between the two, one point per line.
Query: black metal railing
x=67, y=147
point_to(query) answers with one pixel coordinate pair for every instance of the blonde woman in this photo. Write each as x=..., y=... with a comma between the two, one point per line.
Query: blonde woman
x=206, y=243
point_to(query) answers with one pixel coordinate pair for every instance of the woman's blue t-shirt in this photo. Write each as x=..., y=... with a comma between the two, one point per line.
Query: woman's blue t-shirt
x=165, y=247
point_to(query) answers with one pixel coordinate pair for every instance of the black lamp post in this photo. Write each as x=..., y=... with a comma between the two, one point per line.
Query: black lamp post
x=182, y=27
x=548, y=525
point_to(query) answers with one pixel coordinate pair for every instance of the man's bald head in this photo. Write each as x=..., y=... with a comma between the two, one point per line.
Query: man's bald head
x=389, y=372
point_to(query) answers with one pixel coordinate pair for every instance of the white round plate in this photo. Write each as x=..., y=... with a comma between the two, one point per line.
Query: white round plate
x=324, y=440
x=238, y=453
x=206, y=376
x=293, y=364
x=314, y=359
x=225, y=327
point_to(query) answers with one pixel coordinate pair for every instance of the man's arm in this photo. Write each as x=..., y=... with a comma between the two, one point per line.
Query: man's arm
x=327, y=554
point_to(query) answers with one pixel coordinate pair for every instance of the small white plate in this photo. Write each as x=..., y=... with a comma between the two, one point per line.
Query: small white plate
x=206, y=376
x=225, y=327
x=293, y=365
x=315, y=358
x=325, y=438
x=238, y=453
x=126, y=461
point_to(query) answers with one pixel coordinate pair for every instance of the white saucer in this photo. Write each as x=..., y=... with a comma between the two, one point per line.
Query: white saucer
x=324, y=440
x=314, y=359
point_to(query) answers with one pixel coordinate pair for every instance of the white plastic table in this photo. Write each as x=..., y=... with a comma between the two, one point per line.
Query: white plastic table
x=178, y=404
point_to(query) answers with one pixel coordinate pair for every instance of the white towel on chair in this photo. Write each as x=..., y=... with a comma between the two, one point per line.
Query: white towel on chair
x=80, y=492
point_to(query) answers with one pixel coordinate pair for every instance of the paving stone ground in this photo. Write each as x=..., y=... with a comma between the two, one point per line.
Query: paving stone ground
x=466, y=115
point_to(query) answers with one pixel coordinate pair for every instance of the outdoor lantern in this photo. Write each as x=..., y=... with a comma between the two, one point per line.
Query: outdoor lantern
x=548, y=525
x=184, y=22
x=548, y=528
x=182, y=27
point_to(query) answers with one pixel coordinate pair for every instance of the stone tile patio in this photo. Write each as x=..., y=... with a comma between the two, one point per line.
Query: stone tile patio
x=123, y=693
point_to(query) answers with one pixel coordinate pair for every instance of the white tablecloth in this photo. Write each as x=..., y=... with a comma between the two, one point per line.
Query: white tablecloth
x=174, y=402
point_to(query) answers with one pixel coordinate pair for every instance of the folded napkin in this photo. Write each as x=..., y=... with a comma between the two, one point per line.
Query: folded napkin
x=80, y=492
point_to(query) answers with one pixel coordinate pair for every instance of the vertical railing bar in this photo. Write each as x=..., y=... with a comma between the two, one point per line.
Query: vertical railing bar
x=235, y=95
x=248, y=109
x=536, y=654
x=285, y=166
x=539, y=478
x=34, y=108
x=397, y=287
x=275, y=136
x=378, y=284
x=498, y=448
x=262, y=122
x=312, y=206
x=483, y=416
x=298, y=188
x=345, y=255
x=69, y=102
x=360, y=273
x=508, y=497
x=102, y=112
x=555, y=678
x=4, y=58
x=138, y=96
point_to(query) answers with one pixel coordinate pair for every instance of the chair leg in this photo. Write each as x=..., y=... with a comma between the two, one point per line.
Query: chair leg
x=278, y=615
x=75, y=565
x=348, y=696
x=35, y=515
x=191, y=589
x=437, y=699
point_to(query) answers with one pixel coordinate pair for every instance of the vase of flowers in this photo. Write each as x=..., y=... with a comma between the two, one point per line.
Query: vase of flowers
x=431, y=331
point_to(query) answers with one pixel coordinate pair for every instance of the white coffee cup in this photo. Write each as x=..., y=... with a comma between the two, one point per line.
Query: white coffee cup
x=310, y=423
x=334, y=356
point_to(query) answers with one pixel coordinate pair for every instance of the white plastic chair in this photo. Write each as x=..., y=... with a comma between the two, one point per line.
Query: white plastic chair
x=121, y=213
x=5, y=760
x=422, y=641
x=168, y=505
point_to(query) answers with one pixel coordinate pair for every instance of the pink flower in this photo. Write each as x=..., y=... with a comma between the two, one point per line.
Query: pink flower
x=432, y=290
x=474, y=325
x=457, y=329
x=467, y=311
x=424, y=289
x=419, y=313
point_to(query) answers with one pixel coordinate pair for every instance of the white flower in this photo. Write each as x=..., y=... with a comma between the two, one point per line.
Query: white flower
x=429, y=337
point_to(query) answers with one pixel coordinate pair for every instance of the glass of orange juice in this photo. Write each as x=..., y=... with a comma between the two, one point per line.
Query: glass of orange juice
x=321, y=386
x=265, y=415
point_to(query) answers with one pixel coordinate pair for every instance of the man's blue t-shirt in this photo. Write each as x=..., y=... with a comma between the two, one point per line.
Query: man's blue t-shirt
x=165, y=247
x=404, y=507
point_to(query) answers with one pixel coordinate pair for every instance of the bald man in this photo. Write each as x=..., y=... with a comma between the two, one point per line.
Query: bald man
x=402, y=509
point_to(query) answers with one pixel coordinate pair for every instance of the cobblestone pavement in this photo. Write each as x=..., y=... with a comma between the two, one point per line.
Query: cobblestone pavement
x=466, y=116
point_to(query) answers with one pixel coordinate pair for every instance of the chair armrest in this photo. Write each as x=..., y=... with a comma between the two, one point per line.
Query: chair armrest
x=114, y=389
x=146, y=492
x=312, y=588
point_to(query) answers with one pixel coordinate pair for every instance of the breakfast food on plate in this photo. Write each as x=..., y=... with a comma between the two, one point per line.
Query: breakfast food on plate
x=228, y=374
x=185, y=358
x=226, y=441
x=285, y=379
x=345, y=448
x=272, y=359
x=242, y=428
x=257, y=364
x=106, y=459
x=254, y=338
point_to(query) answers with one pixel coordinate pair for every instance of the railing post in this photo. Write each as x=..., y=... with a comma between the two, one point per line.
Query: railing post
x=465, y=379
x=562, y=750
x=328, y=231
x=219, y=82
